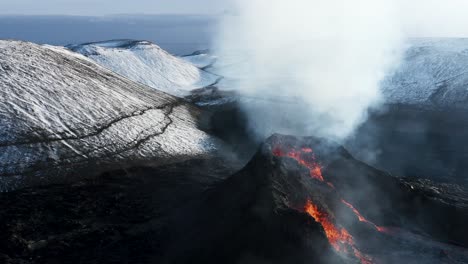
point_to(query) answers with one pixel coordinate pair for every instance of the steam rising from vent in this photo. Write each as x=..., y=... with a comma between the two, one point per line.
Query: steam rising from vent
x=311, y=67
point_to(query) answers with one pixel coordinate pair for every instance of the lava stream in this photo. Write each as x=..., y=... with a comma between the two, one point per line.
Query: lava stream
x=339, y=238
x=363, y=219
x=306, y=158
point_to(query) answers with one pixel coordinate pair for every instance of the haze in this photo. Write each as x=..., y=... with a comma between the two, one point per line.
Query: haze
x=106, y=7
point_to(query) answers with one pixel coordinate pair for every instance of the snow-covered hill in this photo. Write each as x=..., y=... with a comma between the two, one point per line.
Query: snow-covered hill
x=62, y=114
x=146, y=63
x=434, y=73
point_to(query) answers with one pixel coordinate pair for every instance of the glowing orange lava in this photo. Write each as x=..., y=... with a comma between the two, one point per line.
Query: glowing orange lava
x=339, y=238
x=362, y=218
x=306, y=158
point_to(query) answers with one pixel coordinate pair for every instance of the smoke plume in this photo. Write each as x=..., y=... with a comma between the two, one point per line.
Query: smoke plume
x=310, y=67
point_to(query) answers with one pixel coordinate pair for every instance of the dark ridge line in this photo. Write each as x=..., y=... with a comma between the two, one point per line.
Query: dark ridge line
x=163, y=129
x=66, y=166
x=220, y=78
x=205, y=68
x=71, y=157
x=95, y=133
x=198, y=52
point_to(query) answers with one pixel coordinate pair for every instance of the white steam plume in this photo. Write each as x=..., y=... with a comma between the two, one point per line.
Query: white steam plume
x=321, y=61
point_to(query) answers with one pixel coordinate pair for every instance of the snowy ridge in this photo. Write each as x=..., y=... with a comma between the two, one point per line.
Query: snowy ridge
x=61, y=113
x=434, y=73
x=201, y=59
x=146, y=63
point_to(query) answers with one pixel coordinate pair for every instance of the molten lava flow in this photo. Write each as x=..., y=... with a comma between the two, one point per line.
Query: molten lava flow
x=363, y=219
x=339, y=238
x=306, y=158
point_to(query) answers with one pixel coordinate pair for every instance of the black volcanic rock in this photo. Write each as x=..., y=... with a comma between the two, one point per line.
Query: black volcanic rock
x=262, y=204
x=258, y=213
x=418, y=204
x=195, y=213
x=119, y=217
x=414, y=140
x=255, y=216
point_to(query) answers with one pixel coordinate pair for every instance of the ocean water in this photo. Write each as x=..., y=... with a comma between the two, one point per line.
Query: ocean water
x=178, y=34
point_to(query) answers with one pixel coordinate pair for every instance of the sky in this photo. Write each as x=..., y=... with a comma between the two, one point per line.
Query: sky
x=436, y=18
x=108, y=7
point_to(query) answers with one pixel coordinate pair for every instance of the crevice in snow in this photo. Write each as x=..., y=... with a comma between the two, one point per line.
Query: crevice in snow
x=94, y=133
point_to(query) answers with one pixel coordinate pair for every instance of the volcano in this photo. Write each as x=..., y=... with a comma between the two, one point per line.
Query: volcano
x=333, y=204
x=298, y=200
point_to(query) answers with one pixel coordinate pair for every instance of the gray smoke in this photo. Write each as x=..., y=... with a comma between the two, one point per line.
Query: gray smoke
x=311, y=67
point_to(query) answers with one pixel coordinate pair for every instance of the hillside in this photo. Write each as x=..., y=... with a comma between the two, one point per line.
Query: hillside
x=61, y=114
x=146, y=63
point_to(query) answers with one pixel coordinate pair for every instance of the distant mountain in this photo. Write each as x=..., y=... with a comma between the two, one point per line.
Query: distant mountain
x=147, y=63
x=421, y=129
x=434, y=73
x=178, y=34
x=62, y=114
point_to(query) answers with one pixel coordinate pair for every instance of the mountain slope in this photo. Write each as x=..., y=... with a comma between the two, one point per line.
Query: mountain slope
x=357, y=214
x=146, y=63
x=433, y=73
x=194, y=212
x=424, y=122
x=61, y=113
